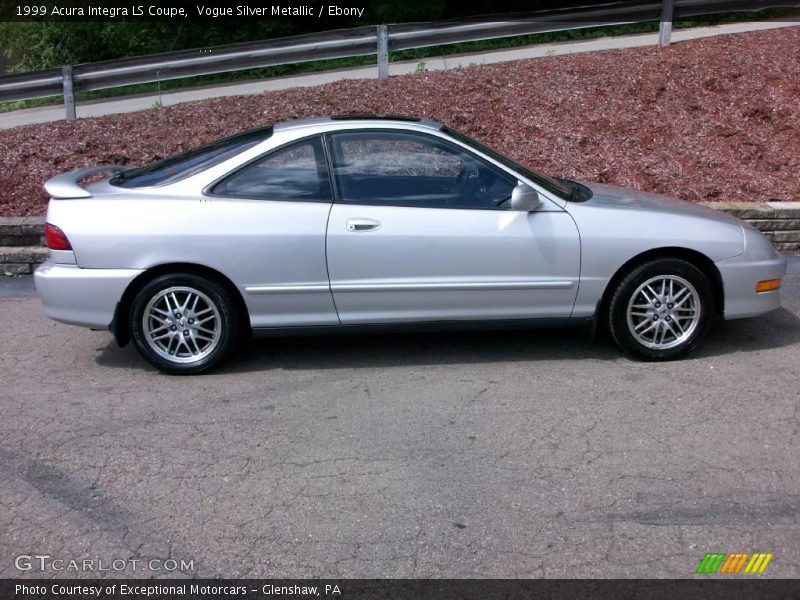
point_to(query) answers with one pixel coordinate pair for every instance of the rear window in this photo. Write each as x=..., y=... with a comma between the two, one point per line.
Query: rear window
x=191, y=162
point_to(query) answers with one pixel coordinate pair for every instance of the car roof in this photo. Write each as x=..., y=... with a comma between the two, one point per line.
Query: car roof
x=359, y=119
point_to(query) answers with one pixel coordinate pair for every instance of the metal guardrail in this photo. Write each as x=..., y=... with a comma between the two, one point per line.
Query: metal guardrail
x=377, y=40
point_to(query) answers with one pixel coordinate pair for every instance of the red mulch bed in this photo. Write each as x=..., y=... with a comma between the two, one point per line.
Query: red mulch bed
x=712, y=119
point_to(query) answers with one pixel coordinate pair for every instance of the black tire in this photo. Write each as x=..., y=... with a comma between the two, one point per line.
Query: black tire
x=661, y=316
x=187, y=335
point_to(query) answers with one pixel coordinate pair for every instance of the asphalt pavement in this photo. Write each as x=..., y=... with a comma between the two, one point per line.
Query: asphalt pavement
x=509, y=454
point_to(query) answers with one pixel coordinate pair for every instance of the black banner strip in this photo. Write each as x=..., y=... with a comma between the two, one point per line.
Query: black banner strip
x=705, y=588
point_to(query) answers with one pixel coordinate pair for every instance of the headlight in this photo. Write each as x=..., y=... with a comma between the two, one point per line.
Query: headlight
x=756, y=245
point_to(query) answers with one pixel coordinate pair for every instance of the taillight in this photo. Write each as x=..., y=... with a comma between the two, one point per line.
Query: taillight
x=55, y=238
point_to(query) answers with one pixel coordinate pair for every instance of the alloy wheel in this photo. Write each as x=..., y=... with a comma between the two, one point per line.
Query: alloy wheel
x=182, y=324
x=663, y=312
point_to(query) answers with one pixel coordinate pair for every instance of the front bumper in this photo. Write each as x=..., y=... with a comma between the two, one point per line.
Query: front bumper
x=740, y=274
x=86, y=297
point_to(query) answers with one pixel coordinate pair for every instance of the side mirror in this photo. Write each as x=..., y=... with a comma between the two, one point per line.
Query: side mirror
x=524, y=198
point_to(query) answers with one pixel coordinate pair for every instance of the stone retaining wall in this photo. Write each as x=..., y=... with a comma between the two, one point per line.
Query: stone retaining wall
x=21, y=231
x=21, y=243
x=20, y=260
x=779, y=221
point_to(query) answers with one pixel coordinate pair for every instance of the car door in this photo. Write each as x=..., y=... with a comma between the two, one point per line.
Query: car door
x=279, y=206
x=422, y=230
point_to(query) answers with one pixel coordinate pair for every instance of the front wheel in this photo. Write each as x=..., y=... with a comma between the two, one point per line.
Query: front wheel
x=183, y=323
x=661, y=309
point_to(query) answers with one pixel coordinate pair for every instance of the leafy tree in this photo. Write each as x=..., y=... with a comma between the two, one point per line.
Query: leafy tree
x=41, y=45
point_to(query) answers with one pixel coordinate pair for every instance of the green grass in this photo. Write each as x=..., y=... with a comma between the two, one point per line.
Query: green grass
x=405, y=55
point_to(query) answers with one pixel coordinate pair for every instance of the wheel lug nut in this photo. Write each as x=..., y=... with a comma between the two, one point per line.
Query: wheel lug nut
x=669, y=319
x=191, y=321
x=173, y=328
x=186, y=331
x=655, y=317
x=658, y=304
x=669, y=305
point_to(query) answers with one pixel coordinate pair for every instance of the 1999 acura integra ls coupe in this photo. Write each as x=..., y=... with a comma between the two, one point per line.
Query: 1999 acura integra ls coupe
x=365, y=222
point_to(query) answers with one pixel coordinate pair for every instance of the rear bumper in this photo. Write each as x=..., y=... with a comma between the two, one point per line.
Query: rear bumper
x=739, y=278
x=86, y=297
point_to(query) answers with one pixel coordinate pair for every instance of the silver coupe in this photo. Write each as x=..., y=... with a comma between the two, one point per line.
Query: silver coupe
x=380, y=223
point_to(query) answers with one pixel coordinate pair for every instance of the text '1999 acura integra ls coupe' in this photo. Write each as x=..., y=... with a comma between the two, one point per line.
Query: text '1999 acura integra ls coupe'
x=374, y=222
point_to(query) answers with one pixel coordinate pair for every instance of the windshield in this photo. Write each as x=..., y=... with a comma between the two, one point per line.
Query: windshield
x=558, y=188
x=191, y=162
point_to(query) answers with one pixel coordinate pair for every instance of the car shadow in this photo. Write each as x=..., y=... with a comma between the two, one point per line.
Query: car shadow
x=775, y=330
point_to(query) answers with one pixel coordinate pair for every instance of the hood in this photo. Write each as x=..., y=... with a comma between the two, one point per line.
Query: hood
x=613, y=196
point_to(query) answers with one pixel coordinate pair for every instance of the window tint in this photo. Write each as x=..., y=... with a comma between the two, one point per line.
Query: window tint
x=190, y=162
x=403, y=169
x=296, y=172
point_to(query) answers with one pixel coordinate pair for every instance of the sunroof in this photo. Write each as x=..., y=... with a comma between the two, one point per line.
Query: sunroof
x=360, y=116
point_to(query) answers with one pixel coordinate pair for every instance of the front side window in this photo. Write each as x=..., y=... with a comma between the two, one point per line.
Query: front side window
x=403, y=169
x=295, y=172
x=553, y=185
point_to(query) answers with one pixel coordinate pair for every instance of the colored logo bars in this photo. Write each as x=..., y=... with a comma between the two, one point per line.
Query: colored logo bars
x=720, y=562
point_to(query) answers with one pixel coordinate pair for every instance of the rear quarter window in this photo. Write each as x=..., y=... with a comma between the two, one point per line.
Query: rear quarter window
x=191, y=162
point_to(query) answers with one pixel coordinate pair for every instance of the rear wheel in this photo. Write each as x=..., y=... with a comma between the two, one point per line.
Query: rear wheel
x=183, y=323
x=661, y=310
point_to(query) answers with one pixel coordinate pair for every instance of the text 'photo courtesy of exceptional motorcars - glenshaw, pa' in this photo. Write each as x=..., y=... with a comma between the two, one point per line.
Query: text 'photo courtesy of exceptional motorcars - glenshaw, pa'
x=400, y=300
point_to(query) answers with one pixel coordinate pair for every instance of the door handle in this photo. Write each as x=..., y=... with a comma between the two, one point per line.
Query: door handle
x=362, y=225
